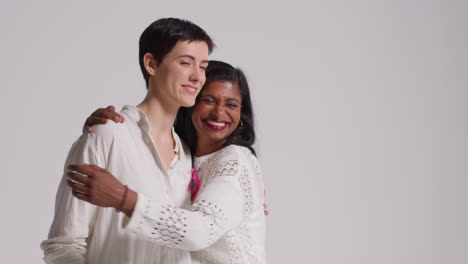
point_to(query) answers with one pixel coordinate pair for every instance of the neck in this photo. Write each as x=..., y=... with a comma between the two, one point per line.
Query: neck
x=206, y=147
x=160, y=115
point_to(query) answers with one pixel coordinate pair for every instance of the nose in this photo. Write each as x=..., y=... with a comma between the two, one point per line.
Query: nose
x=197, y=75
x=218, y=110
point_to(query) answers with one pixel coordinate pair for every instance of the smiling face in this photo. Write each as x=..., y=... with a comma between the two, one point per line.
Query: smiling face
x=217, y=113
x=179, y=77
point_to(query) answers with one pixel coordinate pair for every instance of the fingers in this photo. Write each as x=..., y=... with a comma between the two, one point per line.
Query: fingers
x=108, y=113
x=87, y=169
x=116, y=116
x=77, y=187
x=81, y=196
x=265, y=209
x=80, y=191
x=101, y=115
x=94, y=120
x=79, y=178
x=112, y=115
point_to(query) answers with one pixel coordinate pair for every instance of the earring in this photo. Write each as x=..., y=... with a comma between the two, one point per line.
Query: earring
x=241, y=124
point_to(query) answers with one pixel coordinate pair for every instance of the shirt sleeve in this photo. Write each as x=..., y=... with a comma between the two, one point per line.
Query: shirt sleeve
x=74, y=219
x=220, y=206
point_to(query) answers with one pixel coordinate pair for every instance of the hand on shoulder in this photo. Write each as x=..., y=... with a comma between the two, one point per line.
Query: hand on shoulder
x=101, y=117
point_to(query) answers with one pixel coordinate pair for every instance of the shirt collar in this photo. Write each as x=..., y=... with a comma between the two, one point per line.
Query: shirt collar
x=139, y=117
x=178, y=144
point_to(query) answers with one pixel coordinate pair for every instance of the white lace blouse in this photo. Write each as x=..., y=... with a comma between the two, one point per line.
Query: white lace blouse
x=226, y=222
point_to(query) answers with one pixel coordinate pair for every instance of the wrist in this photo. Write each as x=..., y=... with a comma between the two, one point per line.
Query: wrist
x=121, y=203
x=130, y=202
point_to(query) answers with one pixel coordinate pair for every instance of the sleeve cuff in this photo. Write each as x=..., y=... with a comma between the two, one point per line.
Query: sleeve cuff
x=142, y=208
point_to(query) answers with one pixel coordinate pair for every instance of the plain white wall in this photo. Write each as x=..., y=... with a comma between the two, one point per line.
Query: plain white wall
x=362, y=114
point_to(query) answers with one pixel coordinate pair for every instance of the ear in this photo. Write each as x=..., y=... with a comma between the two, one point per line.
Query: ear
x=150, y=64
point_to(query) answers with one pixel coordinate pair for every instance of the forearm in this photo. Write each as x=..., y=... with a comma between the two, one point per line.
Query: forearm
x=176, y=227
x=217, y=210
x=221, y=205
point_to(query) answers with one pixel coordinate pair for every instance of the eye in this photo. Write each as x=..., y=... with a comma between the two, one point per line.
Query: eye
x=208, y=100
x=185, y=62
x=232, y=105
x=203, y=68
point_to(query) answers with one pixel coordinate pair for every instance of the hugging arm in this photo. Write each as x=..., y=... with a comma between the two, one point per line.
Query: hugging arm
x=218, y=208
x=221, y=205
x=101, y=116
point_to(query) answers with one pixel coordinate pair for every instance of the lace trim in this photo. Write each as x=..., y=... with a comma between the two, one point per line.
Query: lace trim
x=247, y=195
x=230, y=168
x=214, y=216
x=169, y=228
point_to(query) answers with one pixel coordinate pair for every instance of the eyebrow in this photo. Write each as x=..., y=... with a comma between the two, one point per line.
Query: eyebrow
x=192, y=58
x=214, y=97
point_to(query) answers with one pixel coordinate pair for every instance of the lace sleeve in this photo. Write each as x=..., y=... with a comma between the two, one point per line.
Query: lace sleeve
x=222, y=204
x=233, y=168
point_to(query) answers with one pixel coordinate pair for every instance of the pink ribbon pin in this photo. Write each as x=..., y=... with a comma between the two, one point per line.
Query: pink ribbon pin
x=194, y=184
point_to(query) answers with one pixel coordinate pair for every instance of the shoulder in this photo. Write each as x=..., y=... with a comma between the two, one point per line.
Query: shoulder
x=236, y=152
x=106, y=130
x=106, y=133
x=234, y=158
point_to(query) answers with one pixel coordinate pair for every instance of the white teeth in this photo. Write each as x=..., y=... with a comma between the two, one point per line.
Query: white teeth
x=216, y=123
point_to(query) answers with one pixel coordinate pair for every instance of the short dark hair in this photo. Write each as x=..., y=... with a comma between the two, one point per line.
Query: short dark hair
x=162, y=35
x=244, y=135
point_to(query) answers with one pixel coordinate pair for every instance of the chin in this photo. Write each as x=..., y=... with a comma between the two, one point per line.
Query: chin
x=188, y=103
x=217, y=139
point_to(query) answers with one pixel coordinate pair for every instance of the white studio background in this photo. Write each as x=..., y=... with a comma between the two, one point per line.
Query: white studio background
x=362, y=116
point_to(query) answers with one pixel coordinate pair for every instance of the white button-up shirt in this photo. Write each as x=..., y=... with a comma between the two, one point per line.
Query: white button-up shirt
x=84, y=233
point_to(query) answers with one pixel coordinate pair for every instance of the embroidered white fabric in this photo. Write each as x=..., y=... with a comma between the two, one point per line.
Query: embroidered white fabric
x=225, y=224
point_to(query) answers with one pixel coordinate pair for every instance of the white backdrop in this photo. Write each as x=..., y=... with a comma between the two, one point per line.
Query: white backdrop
x=362, y=116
